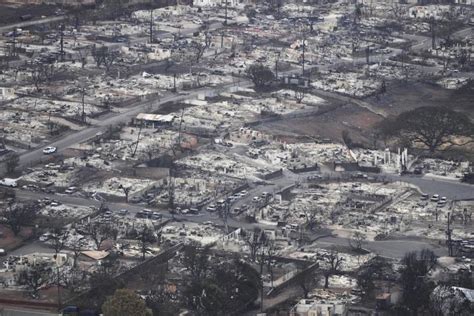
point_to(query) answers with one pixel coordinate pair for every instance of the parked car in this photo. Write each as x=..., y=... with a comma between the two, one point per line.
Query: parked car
x=435, y=198
x=9, y=183
x=45, y=237
x=49, y=150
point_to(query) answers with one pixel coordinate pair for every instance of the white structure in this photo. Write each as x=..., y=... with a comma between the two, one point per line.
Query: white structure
x=215, y=3
x=428, y=11
x=307, y=307
x=6, y=93
x=464, y=2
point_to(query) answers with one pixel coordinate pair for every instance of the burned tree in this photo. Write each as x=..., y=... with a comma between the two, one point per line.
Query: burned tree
x=83, y=53
x=42, y=72
x=300, y=93
x=332, y=265
x=126, y=191
x=35, y=277
x=104, y=56
x=19, y=215
x=58, y=236
x=357, y=241
x=198, y=50
x=99, y=233
x=151, y=151
x=145, y=238
x=311, y=215
x=254, y=240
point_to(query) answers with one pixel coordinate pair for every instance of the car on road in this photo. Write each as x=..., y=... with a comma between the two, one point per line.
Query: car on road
x=435, y=198
x=123, y=212
x=146, y=213
x=70, y=190
x=156, y=216
x=49, y=150
x=424, y=197
x=211, y=208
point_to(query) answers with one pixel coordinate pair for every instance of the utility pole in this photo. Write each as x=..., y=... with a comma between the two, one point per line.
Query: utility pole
x=433, y=32
x=83, y=91
x=367, y=54
x=448, y=235
x=56, y=258
x=61, y=34
x=226, y=4
x=151, y=26
x=276, y=64
x=304, y=49
x=14, y=43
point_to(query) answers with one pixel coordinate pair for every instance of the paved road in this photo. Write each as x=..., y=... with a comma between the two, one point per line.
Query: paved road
x=424, y=42
x=11, y=27
x=32, y=247
x=449, y=188
x=13, y=311
x=388, y=248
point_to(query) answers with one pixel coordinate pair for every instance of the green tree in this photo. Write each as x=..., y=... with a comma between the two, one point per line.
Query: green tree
x=125, y=303
x=230, y=288
x=431, y=127
x=416, y=288
x=261, y=75
x=377, y=268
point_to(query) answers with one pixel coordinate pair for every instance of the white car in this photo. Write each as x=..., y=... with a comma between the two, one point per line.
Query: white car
x=49, y=150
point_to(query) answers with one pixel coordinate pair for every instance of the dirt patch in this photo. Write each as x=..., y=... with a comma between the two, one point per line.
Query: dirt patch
x=11, y=14
x=170, y=107
x=329, y=125
x=402, y=97
x=9, y=241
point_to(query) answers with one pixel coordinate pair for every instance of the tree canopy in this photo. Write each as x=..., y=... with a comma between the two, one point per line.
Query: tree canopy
x=260, y=75
x=416, y=288
x=432, y=127
x=124, y=303
x=218, y=288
